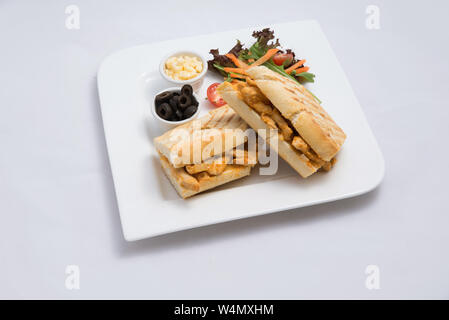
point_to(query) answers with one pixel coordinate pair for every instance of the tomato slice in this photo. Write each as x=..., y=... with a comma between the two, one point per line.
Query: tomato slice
x=213, y=96
x=283, y=58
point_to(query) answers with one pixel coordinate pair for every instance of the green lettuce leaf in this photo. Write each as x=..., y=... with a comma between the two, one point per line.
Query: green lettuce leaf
x=307, y=76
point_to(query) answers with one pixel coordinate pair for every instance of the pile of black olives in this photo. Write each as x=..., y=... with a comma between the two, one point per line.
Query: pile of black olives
x=176, y=105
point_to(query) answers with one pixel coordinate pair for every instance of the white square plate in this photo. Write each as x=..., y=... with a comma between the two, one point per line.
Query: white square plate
x=150, y=206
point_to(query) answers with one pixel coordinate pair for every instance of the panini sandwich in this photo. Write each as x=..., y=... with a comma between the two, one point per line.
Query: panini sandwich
x=305, y=136
x=205, y=153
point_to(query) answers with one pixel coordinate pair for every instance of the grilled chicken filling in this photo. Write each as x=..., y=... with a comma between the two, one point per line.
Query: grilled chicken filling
x=254, y=98
x=190, y=176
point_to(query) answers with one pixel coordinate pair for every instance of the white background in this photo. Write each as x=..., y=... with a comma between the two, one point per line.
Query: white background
x=57, y=201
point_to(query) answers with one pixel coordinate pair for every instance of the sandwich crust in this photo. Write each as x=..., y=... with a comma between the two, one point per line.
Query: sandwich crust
x=306, y=115
x=185, y=186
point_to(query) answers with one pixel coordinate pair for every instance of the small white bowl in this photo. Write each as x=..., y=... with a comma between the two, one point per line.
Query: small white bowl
x=167, y=123
x=194, y=82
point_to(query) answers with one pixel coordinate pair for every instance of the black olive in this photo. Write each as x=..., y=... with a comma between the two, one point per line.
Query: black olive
x=187, y=90
x=194, y=102
x=176, y=93
x=174, y=102
x=189, y=111
x=184, y=101
x=164, y=111
x=179, y=114
x=163, y=97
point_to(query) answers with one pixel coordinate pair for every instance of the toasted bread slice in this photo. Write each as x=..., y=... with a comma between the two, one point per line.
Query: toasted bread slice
x=215, y=136
x=198, y=140
x=297, y=105
x=296, y=159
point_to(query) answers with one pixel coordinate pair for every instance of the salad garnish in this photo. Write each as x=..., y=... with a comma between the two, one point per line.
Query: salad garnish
x=265, y=51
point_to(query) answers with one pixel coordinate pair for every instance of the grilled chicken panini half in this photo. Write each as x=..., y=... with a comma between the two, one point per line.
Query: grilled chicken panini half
x=306, y=136
x=205, y=153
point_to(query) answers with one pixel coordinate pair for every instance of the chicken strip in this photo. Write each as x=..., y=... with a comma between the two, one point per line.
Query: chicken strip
x=214, y=168
x=302, y=146
x=261, y=107
x=243, y=157
x=267, y=119
x=255, y=99
x=286, y=131
x=186, y=180
x=329, y=164
x=202, y=176
x=195, y=168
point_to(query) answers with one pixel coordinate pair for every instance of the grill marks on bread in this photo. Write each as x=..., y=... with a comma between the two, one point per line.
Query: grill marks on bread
x=253, y=97
x=172, y=143
x=223, y=117
x=216, y=136
x=305, y=114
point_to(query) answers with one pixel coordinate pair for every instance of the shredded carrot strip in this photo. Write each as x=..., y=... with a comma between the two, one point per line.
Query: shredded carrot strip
x=235, y=81
x=303, y=69
x=295, y=66
x=267, y=56
x=237, y=70
x=251, y=60
x=239, y=76
x=237, y=62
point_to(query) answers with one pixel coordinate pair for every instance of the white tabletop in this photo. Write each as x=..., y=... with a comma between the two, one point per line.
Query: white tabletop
x=57, y=201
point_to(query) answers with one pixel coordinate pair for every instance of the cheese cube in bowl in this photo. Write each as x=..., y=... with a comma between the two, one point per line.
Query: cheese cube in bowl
x=184, y=67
